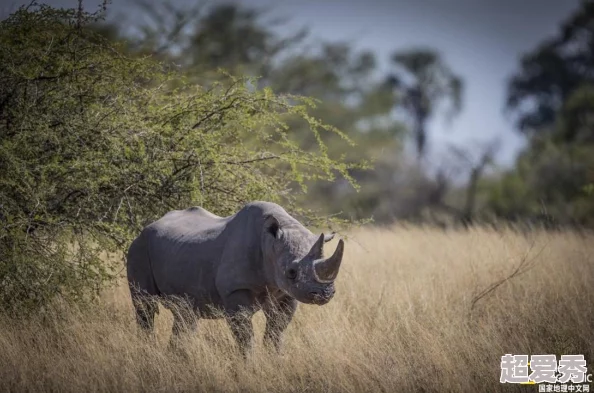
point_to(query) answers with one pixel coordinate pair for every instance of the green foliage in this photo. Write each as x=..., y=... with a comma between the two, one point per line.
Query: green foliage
x=95, y=143
x=553, y=97
x=351, y=94
x=547, y=184
x=553, y=71
x=576, y=117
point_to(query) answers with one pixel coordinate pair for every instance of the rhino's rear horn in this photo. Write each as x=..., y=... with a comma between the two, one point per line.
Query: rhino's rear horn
x=327, y=269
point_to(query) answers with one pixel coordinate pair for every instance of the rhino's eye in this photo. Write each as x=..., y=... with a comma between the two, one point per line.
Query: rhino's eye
x=291, y=274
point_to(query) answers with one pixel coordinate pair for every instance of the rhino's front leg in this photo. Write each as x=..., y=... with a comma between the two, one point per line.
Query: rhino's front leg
x=239, y=308
x=279, y=313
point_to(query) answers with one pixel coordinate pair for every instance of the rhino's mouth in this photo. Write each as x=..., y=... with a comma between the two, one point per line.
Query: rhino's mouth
x=320, y=300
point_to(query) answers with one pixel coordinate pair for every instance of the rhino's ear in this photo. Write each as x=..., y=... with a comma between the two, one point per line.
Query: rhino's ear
x=272, y=226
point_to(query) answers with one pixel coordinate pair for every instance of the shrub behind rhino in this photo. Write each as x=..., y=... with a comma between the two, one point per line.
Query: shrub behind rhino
x=94, y=143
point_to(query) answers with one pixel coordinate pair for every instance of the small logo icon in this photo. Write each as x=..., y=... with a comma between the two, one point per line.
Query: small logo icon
x=568, y=374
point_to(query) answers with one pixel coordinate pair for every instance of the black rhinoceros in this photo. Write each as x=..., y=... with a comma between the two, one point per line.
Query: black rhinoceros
x=258, y=258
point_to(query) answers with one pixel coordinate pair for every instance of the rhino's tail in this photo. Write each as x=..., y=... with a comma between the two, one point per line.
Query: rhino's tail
x=141, y=282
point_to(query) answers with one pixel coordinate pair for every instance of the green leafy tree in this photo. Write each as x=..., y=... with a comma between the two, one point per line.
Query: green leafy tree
x=553, y=97
x=424, y=81
x=550, y=74
x=95, y=143
x=350, y=92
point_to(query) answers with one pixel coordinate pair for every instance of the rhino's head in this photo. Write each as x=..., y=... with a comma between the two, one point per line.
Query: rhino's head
x=294, y=260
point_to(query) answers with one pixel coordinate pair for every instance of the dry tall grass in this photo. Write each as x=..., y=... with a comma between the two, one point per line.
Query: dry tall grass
x=399, y=322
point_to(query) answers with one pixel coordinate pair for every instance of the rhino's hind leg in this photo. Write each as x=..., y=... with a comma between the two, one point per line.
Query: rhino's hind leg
x=185, y=321
x=279, y=314
x=143, y=288
x=146, y=307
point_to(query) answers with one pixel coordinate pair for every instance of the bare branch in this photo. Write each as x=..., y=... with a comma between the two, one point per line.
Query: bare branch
x=522, y=267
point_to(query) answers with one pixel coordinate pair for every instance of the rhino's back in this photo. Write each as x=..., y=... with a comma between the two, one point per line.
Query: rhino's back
x=192, y=224
x=184, y=248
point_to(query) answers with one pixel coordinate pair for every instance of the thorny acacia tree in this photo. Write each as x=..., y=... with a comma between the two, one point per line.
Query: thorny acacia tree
x=94, y=143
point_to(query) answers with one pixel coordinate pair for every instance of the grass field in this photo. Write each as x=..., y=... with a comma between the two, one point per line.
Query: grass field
x=400, y=321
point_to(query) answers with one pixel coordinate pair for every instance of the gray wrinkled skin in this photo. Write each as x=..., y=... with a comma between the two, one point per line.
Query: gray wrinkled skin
x=259, y=258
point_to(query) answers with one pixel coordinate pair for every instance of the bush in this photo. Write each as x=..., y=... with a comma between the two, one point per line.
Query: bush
x=95, y=143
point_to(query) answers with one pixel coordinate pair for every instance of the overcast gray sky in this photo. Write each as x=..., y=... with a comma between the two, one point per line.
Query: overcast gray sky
x=482, y=40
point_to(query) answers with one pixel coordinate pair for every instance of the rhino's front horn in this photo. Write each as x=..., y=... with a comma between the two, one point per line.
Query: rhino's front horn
x=327, y=269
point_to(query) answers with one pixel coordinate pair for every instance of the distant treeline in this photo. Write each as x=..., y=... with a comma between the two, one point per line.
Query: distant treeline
x=551, y=95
